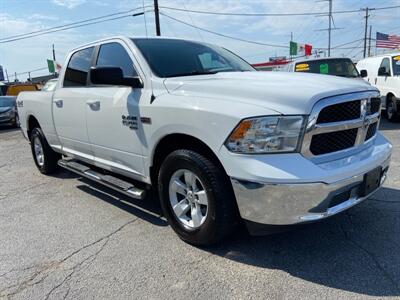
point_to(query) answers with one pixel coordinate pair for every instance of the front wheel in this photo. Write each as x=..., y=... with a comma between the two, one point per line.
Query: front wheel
x=391, y=111
x=196, y=197
x=45, y=158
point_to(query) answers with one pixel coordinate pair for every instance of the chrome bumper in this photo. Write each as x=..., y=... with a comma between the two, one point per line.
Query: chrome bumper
x=289, y=204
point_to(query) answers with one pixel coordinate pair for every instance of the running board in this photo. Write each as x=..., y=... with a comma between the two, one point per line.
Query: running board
x=107, y=180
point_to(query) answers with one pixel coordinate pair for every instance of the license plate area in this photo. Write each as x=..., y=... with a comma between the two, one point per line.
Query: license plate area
x=371, y=181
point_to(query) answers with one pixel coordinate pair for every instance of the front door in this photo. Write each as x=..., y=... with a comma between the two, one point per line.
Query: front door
x=69, y=106
x=383, y=79
x=113, y=118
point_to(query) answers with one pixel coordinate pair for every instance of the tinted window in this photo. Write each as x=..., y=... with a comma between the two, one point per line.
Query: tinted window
x=396, y=65
x=115, y=55
x=386, y=64
x=338, y=67
x=7, y=101
x=170, y=58
x=78, y=68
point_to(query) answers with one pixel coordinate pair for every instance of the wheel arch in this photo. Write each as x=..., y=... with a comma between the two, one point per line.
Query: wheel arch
x=175, y=141
x=32, y=122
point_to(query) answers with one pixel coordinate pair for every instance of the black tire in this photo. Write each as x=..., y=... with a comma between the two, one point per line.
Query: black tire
x=391, y=112
x=50, y=158
x=222, y=214
x=17, y=122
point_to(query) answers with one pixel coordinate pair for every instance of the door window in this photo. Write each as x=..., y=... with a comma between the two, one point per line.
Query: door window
x=115, y=55
x=386, y=64
x=78, y=68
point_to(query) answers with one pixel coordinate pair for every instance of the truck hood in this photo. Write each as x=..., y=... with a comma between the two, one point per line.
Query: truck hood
x=285, y=93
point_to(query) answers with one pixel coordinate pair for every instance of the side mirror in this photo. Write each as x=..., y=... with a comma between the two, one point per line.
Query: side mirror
x=363, y=73
x=113, y=76
x=382, y=72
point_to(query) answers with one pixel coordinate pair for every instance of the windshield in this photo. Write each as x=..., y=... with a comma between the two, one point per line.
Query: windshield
x=343, y=67
x=396, y=65
x=7, y=101
x=171, y=58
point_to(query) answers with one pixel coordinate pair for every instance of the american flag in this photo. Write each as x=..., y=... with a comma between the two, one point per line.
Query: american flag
x=387, y=41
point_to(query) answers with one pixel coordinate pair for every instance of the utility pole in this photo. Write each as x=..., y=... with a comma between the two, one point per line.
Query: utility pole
x=15, y=77
x=29, y=76
x=369, y=42
x=330, y=28
x=8, y=79
x=366, y=29
x=54, y=54
x=291, y=39
x=157, y=15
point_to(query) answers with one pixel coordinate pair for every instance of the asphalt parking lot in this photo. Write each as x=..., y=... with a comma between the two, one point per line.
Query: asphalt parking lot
x=63, y=237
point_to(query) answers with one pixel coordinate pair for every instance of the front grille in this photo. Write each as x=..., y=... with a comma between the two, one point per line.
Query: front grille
x=334, y=141
x=340, y=112
x=371, y=131
x=375, y=105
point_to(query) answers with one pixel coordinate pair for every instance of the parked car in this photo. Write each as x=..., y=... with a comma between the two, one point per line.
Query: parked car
x=383, y=72
x=220, y=141
x=8, y=111
x=336, y=66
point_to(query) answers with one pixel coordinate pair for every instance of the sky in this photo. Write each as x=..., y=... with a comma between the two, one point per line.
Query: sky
x=24, y=16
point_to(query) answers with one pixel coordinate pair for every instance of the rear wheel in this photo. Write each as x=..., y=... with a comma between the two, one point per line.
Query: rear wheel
x=196, y=198
x=45, y=158
x=391, y=111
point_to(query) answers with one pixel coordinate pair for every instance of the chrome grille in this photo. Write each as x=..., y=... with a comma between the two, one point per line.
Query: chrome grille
x=371, y=131
x=341, y=123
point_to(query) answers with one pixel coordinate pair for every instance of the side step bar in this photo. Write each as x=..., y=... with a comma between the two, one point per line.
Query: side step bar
x=107, y=180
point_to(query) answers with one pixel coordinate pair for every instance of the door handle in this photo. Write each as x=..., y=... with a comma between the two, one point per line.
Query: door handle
x=59, y=103
x=94, y=105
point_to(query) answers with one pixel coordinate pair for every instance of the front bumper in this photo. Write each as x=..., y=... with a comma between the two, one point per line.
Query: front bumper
x=7, y=119
x=271, y=202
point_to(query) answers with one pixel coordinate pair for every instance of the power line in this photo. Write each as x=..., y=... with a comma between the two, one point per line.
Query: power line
x=224, y=35
x=70, y=27
x=250, y=41
x=273, y=14
x=73, y=23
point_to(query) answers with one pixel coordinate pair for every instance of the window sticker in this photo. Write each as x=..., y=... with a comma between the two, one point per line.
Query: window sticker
x=323, y=68
x=396, y=58
x=302, y=67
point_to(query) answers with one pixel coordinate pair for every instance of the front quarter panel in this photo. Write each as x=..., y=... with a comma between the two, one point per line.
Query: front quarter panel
x=209, y=120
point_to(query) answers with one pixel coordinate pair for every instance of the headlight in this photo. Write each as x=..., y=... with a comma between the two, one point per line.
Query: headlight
x=267, y=135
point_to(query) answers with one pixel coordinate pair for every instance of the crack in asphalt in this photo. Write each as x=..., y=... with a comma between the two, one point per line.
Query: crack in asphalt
x=371, y=255
x=24, y=190
x=45, y=271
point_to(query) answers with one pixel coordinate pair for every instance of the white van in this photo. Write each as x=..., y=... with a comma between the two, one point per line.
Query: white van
x=383, y=72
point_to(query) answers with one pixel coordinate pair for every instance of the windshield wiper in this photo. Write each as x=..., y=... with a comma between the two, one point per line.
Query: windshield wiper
x=347, y=76
x=193, y=73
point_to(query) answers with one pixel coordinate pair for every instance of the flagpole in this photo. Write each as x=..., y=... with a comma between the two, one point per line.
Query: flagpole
x=54, y=53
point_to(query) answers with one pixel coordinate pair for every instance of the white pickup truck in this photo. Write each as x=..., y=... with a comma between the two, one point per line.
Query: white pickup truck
x=221, y=142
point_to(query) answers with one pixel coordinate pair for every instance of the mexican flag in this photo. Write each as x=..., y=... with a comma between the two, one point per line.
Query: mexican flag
x=300, y=49
x=53, y=66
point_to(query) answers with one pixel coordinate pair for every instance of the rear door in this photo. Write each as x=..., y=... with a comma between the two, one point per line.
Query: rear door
x=69, y=105
x=113, y=117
